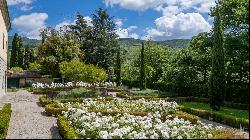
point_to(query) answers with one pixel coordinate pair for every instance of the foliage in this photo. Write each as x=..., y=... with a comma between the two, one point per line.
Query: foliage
x=16, y=69
x=79, y=93
x=118, y=67
x=54, y=110
x=78, y=71
x=98, y=42
x=217, y=78
x=16, y=59
x=58, y=46
x=224, y=110
x=5, y=115
x=35, y=66
x=65, y=129
x=142, y=70
x=218, y=117
x=28, y=57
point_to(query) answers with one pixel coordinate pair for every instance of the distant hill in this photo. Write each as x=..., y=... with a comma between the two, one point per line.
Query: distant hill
x=26, y=42
x=175, y=43
x=129, y=42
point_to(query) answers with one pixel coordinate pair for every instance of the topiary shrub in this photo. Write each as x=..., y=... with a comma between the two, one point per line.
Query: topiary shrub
x=5, y=115
x=65, y=130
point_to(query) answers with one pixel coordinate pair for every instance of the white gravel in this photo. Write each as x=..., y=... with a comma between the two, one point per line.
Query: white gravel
x=28, y=119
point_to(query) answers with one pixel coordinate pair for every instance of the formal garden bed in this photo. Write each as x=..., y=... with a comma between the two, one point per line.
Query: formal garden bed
x=5, y=115
x=172, y=114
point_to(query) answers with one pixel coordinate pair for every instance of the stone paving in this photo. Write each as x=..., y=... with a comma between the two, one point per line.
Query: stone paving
x=28, y=119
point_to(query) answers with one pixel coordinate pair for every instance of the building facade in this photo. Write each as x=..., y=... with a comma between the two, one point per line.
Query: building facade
x=4, y=28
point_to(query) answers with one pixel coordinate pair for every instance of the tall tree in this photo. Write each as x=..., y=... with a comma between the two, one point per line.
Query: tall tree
x=217, y=77
x=29, y=57
x=142, y=70
x=235, y=17
x=16, y=59
x=14, y=51
x=57, y=47
x=103, y=40
x=83, y=33
x=118, y=66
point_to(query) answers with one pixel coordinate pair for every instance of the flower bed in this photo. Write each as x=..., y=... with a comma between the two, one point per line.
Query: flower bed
x=73, y=85
x=96, y=125
x=118, y=104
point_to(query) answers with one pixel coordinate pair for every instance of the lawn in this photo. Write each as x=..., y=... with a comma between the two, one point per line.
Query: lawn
x=224, y=110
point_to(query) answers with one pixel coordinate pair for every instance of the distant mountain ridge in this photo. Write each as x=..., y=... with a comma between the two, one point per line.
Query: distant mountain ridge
x=32, y=43
x=175, y=43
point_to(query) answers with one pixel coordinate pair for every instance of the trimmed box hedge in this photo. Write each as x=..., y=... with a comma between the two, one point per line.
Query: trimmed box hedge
x=185, y=99
x=65, y=129
x=5, y=115
x=218, y=117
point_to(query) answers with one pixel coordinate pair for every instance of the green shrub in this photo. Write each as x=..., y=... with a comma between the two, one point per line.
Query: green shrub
x=218, y=117
x=44, y=101
x=54, y=109
x=79, y=93
x=65, y=130
x=16, y=69
x=5, y=115
x=77, y=71
x=192, y=118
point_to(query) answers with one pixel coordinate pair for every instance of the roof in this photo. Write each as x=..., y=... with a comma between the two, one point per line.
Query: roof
x=5, y=12
x=24, y=74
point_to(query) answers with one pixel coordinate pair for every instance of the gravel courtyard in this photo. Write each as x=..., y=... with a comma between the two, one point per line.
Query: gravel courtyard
x=28, y=119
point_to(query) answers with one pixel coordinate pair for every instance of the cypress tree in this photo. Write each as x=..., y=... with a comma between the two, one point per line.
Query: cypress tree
x=118, y=67
x=20, y=53
x=217, y=77
x=142, y=70
x=14, y=51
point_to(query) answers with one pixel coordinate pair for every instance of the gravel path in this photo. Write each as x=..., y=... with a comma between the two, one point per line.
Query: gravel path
x=28, y=119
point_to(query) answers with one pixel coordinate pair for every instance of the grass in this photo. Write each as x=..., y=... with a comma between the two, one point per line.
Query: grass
x=224, y=110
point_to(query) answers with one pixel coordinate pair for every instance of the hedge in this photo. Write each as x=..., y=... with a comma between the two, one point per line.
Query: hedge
x=218, y=117
x=186, y=99
x=53, y=109
x=45, y=101
x=65, y=129
x=5, y=115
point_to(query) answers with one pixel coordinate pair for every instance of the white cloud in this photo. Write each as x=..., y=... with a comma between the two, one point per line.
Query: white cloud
x=89, y=20
x=118, y=22
x=170, y=10
x=26, y=8
x=68, y=22
x=30, y=25
x=63, y=24
x=134, y=35
x=205, y=6
x=137, y=5
x=131, y=28
x=178, y=26
x=126, y=32
x=15, y=2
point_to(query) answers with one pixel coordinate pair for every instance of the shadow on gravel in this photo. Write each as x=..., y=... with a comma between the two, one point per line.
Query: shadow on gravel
x=44, y=114
x=39, y=104
x=54, y=133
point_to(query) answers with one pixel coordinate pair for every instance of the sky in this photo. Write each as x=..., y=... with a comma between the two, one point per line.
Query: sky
x=139, y=19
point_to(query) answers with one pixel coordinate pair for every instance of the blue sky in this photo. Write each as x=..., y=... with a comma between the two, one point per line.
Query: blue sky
x=143, y=19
